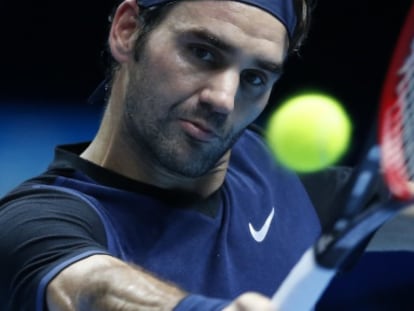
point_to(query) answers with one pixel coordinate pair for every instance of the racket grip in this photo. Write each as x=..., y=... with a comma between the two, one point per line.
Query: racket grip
x=303, y=286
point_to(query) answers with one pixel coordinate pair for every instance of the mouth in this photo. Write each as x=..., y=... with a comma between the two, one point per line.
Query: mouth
x=198, y=130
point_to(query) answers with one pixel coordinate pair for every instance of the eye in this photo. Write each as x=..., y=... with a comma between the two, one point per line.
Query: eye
x=253, y=78
x=203, y=53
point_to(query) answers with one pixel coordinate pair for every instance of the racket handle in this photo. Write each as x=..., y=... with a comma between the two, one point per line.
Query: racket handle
x=304, y=285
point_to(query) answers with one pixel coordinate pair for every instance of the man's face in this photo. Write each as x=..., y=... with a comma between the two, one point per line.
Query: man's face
x=205, y=73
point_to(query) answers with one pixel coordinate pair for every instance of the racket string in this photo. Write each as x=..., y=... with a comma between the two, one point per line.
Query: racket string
x=405, y=95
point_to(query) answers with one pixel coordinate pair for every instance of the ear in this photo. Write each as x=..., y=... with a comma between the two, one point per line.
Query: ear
x=124, y=30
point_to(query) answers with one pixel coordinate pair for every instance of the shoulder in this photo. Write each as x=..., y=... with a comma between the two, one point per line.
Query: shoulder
x=37, y=202
x=254, y=168
x=252, y=160
x=35, y=221
x=251, y=149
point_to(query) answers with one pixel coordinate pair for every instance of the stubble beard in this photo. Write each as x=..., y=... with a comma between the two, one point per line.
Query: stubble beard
x=157, y=136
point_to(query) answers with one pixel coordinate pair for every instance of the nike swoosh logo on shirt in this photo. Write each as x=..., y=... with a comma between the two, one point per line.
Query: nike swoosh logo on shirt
x=260, y=235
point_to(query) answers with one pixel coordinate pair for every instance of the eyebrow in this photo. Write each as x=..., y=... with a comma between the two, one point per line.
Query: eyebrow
x=274, y=68
x=210, y=38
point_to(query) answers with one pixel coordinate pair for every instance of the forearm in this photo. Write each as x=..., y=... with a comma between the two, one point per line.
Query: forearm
x=101, y=283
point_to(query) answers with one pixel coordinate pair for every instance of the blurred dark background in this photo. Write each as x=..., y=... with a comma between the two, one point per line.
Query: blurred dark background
x=50, y=62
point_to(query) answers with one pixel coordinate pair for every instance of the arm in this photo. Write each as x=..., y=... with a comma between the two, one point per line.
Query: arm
x=95, y=283
x=43, y=230
x=102, y=282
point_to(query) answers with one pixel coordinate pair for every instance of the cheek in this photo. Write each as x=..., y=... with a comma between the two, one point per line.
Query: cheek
x=159, y=70
x=167, y=77
x=250, y=110
x=245, y=115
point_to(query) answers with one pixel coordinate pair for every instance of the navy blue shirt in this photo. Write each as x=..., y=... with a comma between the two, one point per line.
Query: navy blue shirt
x=244, y=237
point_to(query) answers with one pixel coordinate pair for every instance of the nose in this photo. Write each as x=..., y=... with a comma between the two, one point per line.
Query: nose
x=220, y=91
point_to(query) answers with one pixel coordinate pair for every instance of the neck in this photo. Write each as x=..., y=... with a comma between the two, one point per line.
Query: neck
x=117, y=157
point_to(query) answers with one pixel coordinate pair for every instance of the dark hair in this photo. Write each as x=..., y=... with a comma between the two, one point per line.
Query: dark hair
x=304, y=10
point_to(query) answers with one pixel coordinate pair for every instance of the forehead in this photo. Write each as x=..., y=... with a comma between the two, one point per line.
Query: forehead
x=241, y=25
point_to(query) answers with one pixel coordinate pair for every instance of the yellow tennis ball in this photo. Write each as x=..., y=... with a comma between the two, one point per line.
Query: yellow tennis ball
x=309, y=132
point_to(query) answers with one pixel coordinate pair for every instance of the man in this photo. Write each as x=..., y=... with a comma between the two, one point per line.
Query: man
x=176, y=203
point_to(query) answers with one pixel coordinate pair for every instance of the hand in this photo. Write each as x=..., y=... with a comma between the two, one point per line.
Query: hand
x=251, y=302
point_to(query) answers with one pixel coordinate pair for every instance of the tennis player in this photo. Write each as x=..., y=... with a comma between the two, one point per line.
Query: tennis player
x=176, y=204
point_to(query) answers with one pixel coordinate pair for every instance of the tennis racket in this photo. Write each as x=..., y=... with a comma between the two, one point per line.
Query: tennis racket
x=390, y=157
